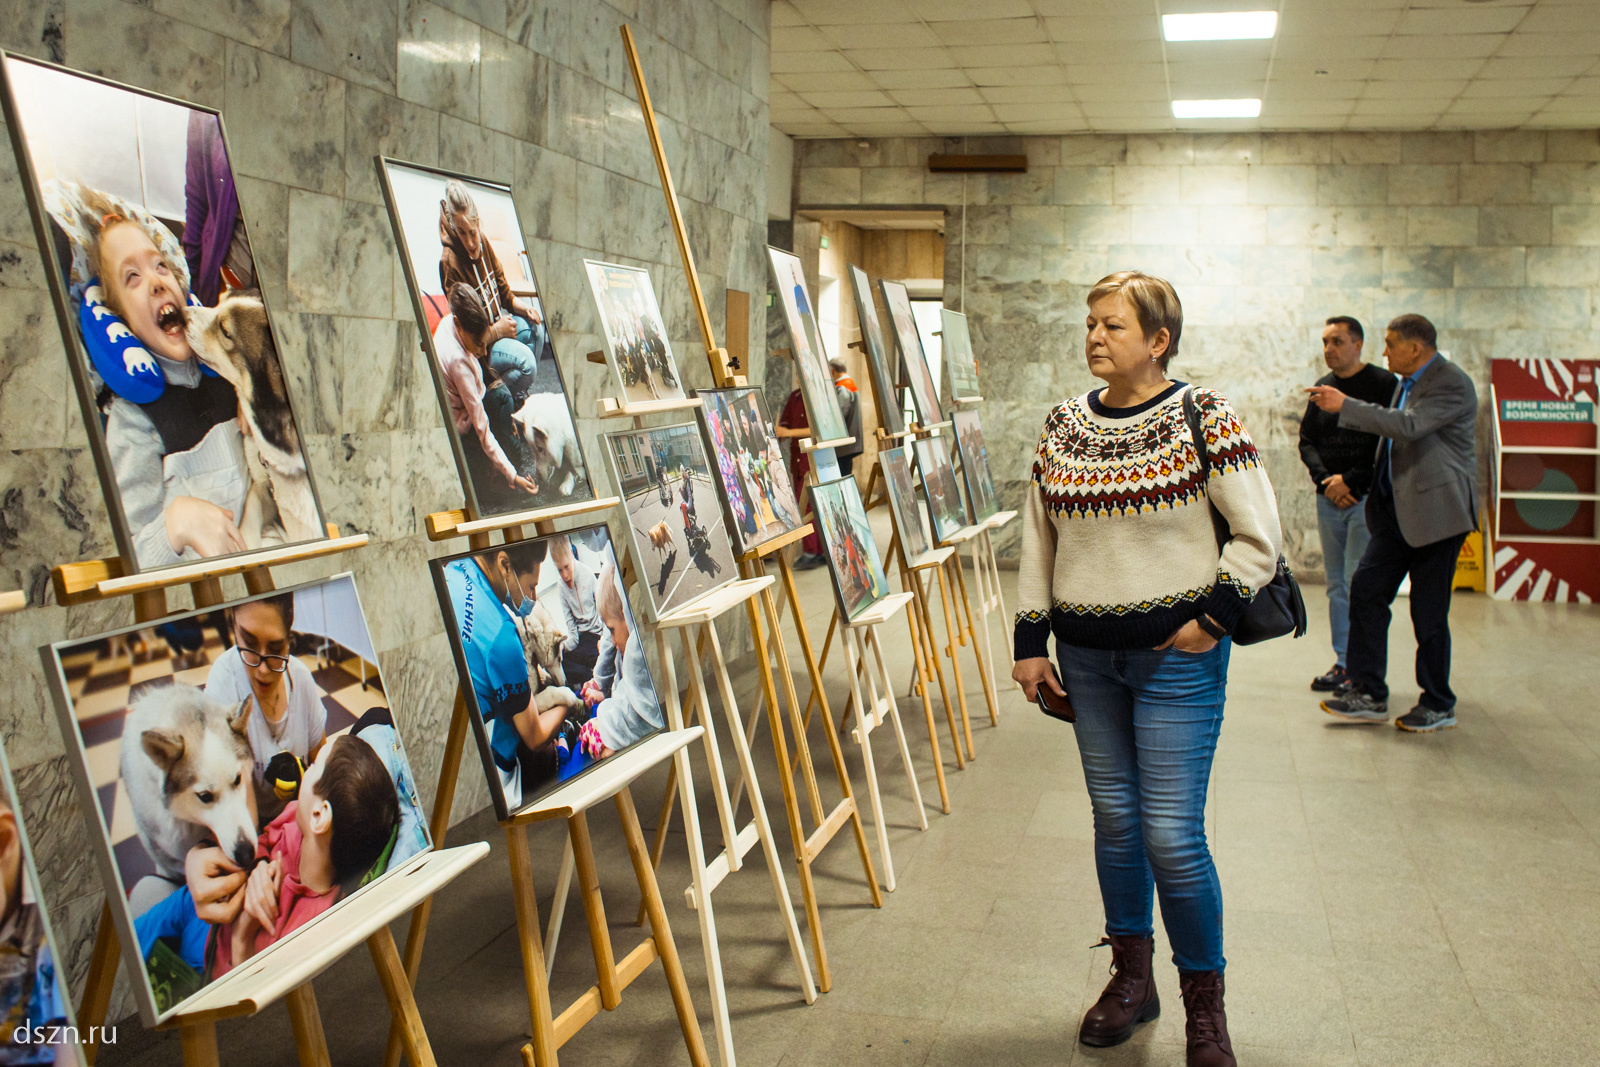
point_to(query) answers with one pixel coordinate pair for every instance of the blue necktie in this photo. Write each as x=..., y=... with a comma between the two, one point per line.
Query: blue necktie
x=1385, y=481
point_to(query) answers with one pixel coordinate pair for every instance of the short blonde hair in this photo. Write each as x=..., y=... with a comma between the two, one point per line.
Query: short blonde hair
x=1154, y=301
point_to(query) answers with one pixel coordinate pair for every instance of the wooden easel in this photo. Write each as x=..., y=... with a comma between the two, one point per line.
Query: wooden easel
x=281, y=975
x=572, y=804
x=725, y=370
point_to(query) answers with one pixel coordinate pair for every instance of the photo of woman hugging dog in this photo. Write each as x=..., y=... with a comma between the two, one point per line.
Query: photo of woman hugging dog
x=173, y=352
x=242, y=796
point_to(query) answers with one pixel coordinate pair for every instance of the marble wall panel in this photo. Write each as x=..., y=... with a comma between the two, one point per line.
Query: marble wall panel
x=511, y=90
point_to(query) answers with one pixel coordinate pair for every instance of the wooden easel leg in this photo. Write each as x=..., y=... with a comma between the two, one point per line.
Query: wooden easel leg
x=102, y=977
x=309, y=1040
x=594, y=910
x=533, y=963
x=719, y=783
x=989, y=602
x=983, y=668
x=865, y=720
x=402, y=1006
x=923, y=688
x=919, y=580
x=558, y=906
x=660, y=931
x=952, y=630
x=871, y=638
x=199, y=1041
x=438, y=825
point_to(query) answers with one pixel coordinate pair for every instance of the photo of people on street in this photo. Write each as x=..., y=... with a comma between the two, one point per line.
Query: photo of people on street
x=547, y=645
x=879, y=363
x=247, y=776
x=483, y=320
x=958, y=355
x=636, y=337
x=975, y=464
x=853, y=560
x=750, y=465
x=896, y=466
x=172, y=350
x=680, y=542
x=810, y=355
x=946, y=511
x=924, y=393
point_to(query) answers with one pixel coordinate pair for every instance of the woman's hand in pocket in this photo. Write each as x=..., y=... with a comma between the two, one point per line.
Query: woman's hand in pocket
x=1034, y=672
x=1189, y=638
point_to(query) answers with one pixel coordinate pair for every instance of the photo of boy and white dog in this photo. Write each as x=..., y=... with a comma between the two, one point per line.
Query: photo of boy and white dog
x=241, y=791
x=546, y=643
x=173, y=353
x=483, y=318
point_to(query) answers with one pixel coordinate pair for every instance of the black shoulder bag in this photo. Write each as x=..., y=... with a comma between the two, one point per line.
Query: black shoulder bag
x=1278, y=607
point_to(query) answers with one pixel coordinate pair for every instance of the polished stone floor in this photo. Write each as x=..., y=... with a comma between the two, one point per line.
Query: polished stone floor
x=1391, y=899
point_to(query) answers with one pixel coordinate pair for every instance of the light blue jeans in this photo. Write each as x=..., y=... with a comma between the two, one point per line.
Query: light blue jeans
x=1344, y=540
x=1147, y=730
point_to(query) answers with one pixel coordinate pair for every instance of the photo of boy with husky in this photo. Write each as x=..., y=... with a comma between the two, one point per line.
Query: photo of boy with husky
x=172, y=350
x=488, y=336
x=228, y=822
x=545, y=642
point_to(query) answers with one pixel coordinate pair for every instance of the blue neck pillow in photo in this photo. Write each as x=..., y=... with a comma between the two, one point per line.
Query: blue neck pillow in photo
x=125, y=365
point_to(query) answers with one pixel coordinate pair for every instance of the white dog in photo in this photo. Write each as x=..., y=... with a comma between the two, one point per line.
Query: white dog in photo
x=546, y=424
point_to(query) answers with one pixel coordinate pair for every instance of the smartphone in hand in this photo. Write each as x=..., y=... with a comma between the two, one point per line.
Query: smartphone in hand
x=1057, y=707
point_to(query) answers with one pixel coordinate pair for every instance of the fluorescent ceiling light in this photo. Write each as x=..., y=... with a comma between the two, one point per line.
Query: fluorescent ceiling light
x=1220, y=26
x=1216, y=109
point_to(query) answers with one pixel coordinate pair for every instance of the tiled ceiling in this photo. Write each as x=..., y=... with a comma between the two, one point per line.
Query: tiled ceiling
x=880, y=68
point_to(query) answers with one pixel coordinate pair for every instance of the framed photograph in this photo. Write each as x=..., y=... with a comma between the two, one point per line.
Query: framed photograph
x=250, y=744
x=958, y=355
x=946, y=511
x=924, y=393
x=34, y=999
x=858, y=581
x=680, y=543
x=172, y=349
x=636, y=337
x=823, y=413
x=484, y=326
x=890, y=413
x=750, y=466
x=975, y=464
x=896, y=465
x=546, y=644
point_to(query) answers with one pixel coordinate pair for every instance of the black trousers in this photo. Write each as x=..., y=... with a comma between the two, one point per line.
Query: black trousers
x=1383, y=567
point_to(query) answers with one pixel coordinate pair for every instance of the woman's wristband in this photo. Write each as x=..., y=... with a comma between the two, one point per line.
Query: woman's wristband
x=1206, y=623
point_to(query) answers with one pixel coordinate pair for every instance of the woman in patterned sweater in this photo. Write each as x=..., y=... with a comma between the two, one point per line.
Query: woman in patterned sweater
x=1120, y=561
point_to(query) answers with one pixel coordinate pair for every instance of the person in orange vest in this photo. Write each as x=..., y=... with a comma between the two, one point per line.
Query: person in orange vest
x=850, y=404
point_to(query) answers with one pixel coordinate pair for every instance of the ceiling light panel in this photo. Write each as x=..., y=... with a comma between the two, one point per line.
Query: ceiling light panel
x=1220, y=26
x=1216, y=109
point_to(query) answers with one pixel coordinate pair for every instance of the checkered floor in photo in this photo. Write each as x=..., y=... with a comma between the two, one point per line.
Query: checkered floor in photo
x=103, y=684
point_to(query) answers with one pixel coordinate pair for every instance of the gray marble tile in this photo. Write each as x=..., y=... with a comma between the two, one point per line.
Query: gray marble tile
x=312, y=352
x=1292, y=148
x=36, y=31
x=307, y=153
x=1364, y=147
x=1575, y=225
x=891, y=185
x=1528, y=225
x=1496, y=183
x=357, y=40
x=1508, y=146
x=1214, y=184
x=1300, y=225
x=543, y=27
x=1278, y=265
x=265, y=207
x=1362, y=183
x=1290, y=185
x=1554, y=309
x=132, y=44
x=1442, y=226
x=1572, y=146
x=35, y=383
x=490, y=14
x=1483, y=309
x=1440, y=147
x=1565, y=183
x=341, y=256
x=1563, y=266
x=259, y=23
x=1163, y=225
x=546, y=194
x=440, y=59
x=380, y=124
x=1161, y=148
x=1227, y=148
x=1477, y=267
x=1346, y=268
x=1147, y=185
x=516, y=89
x=54, y=512
x=1418, y=268
x=1233, y=225
x=1370, y=225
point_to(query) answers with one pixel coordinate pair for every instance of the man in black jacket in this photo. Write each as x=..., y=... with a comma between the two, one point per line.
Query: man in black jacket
x=1341, y=466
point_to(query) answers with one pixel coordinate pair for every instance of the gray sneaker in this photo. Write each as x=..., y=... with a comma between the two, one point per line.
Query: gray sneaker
x=1355, y=705
x=1421, y=720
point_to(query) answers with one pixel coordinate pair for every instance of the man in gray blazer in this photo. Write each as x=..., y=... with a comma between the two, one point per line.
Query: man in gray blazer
x=1423, y=503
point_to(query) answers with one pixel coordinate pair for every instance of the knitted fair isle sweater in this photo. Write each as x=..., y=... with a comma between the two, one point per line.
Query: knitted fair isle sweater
x=1118, y=549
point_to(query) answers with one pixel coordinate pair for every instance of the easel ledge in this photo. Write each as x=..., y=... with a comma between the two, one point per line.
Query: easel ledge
x=443, y=525
x=12, y=600
x=608, y=778
x=337, y=933
x=609, y=407
x=99, y=579
x=809, y=445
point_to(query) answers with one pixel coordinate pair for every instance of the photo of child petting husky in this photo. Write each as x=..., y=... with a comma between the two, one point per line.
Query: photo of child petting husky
x=483, y=321
x=547, y=645
x=177, y=368
x=241, y=792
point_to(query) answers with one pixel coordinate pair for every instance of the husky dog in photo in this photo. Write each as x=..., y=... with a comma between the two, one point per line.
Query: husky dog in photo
x=546, y=424
x=189, y=775
x=542, y=637
x=235, y=340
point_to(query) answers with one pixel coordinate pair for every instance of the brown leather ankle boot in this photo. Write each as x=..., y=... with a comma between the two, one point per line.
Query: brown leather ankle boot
x=1130, y=997
x=1207, y=1029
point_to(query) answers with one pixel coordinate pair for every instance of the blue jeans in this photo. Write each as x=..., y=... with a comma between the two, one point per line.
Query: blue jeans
x=516, y=359
x=1147, y=729
x=1344, y=539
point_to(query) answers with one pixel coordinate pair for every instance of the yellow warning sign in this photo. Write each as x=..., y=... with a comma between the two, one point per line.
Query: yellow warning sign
x=1469, y=564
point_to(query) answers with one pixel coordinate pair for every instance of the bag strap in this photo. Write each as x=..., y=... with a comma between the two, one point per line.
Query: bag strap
x=1191, y=415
